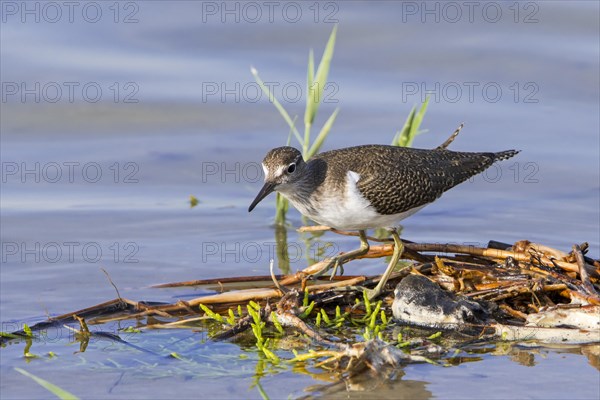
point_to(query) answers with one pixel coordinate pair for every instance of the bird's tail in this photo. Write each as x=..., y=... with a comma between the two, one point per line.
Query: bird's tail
x=505, y=155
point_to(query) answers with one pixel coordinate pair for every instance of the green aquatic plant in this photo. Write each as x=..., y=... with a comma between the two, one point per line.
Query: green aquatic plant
x=211, y=314
x=372, y=328
x=412, y=125
x=307, y=305
x=52, y=388
x=258, y=326
x=194, y=201
x=315, y=85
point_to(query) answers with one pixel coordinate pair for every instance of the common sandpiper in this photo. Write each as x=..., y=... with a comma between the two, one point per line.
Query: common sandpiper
x=370, y=186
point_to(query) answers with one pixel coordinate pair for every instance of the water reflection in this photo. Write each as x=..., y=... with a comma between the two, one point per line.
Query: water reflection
x=310, y=249
x=387, y=384
x=283, y=257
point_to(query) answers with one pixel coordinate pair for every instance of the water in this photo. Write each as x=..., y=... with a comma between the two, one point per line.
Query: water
x=179, y=116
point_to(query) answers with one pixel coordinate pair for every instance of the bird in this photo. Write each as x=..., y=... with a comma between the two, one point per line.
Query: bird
x=369, y=186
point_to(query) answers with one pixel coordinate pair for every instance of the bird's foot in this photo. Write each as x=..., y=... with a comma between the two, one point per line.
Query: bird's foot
x=398, y=250
x=372, y=294
x=337, y=263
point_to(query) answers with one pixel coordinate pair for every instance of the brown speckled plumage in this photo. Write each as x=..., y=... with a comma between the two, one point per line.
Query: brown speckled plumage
x=396, y=179
x=393, y=179
x=368, y=186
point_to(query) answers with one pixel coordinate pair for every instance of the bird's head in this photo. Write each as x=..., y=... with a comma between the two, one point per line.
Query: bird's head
x=283, y=167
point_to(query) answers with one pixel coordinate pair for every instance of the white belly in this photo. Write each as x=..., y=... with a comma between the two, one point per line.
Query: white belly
x=350, y=211
x=348, y=218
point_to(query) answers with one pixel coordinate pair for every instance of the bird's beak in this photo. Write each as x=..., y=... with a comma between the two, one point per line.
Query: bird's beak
x=267, y=189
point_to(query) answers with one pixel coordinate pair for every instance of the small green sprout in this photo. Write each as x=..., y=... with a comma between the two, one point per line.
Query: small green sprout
x=367, y=303
x=307, y=310
x=325, y=317
x=276, y=323
x=435, y=336
x=210, y=313
x=231, y=317
x=305, y=299
x=384, y=319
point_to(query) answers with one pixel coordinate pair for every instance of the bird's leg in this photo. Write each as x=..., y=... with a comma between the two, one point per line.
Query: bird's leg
x=338, y=261
x=398, y=250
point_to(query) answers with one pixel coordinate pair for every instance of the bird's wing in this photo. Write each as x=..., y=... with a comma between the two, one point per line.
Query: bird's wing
x=398, y=180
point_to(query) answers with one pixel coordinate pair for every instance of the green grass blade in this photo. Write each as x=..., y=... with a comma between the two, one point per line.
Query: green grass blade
x=289, y=139
x=323, y=134
x=410, y=130
x=310, y=105
x=282, y=206
x=310, y=79
x=419, y=119
x=401, y=138
x=277, y=104
x=9, y=335
x=55, y=390
x=262, y=392
x=306, y=142
x=315, y=90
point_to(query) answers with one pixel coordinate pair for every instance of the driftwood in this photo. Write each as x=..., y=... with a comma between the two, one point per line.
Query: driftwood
x=529, y=284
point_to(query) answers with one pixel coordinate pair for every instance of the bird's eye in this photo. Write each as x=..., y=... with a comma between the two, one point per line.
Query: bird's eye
x=291, y=168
